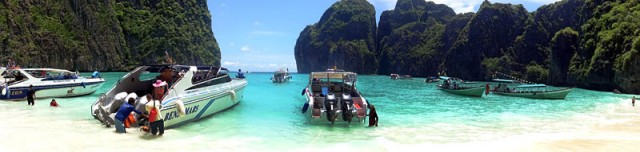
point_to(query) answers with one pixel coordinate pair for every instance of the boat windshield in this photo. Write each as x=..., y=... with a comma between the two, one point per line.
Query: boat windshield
x=52, y=74
x=346, y=77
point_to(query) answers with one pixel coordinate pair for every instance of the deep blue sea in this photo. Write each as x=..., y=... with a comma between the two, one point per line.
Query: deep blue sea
x=412, y=114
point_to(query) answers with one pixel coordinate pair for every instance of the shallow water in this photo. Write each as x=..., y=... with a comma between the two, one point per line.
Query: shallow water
x=412, y=114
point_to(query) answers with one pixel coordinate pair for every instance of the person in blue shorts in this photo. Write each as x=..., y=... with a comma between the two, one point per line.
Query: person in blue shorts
x=123, y=112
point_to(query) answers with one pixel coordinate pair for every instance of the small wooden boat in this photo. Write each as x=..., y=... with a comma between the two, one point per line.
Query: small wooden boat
x=460, y=87
x=534, y=91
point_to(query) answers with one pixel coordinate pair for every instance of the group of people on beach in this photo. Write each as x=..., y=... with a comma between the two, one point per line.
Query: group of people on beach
x=124, y=115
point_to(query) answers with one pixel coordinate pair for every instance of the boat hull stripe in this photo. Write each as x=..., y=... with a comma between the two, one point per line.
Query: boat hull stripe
x=204, y=109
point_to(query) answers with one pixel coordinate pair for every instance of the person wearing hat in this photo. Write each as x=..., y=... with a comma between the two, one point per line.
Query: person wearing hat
x=159, y=89
x=157, y=125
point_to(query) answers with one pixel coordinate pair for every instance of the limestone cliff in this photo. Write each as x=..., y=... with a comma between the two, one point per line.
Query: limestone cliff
x=344, y=37
x=105, y=35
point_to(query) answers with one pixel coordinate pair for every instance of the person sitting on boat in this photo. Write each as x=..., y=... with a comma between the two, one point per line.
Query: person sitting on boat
x=159, y=89
x=240, y=74
x=95, y=74
x=53, y=103
x=123, y=112
x=166, y=75
x=455, y=85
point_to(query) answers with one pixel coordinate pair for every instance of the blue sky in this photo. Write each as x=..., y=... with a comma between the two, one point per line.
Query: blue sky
x=260, y=35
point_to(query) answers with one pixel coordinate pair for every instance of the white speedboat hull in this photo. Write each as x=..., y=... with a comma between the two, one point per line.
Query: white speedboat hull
x=49, y=88
x=203, y=102
x=188, y=99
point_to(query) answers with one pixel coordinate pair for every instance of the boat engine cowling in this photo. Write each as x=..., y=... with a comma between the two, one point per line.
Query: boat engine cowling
x=347, y=107
x=331, y=104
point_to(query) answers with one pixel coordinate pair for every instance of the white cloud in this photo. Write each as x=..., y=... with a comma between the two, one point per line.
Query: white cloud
x=228, y=63
x=232, y=44
x=257, y=23
x=223, y=4
x=460, y=6
x=245, y=48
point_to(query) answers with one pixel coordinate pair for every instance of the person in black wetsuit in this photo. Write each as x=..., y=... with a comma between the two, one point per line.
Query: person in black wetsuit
x=31, y=95
x=373, y=116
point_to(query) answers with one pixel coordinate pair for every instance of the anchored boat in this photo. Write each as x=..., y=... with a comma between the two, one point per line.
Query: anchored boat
x=332, y=96
x=431, y=79
x=535, y=91
x=461, y=87
x=281, y=76
x=194, y=92
x=47, y=83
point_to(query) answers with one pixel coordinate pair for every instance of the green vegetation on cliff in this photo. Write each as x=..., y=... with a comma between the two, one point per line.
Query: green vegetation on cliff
x=587, y=43
x=344, y=36
x=410, y=37
x=106, y=35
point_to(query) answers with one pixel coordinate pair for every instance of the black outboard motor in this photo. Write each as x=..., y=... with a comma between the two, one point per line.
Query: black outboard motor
x=347, y=108
x=331, y=104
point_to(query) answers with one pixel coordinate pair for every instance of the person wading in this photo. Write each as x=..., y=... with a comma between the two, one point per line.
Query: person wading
x=31, y=95
x=123, y=112
x=373, y=117
x=155, y=118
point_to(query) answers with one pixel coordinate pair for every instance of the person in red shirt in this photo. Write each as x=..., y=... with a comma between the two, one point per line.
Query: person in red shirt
x=54, y=103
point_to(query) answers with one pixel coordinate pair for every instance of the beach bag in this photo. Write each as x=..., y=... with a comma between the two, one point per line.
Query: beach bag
x=153, y=114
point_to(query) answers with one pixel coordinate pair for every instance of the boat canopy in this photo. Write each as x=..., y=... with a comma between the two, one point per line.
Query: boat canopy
x=506, y=80
x=532, y=86
x=341, y=76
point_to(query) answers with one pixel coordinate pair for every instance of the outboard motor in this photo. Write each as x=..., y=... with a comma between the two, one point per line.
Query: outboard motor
x=331, y=104
x=347, y=108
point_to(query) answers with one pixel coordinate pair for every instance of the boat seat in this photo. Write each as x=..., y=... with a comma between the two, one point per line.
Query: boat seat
x=325, y=90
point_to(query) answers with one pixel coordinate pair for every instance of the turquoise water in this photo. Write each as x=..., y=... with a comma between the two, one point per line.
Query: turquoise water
x=412, y=113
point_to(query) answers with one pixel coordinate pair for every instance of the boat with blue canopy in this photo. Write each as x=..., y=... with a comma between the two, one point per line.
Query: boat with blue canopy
x=535, y=91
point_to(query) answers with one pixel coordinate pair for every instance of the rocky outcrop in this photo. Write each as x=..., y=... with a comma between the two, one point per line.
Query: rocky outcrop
x=487, y=36
x=590, y=44
x=410, y=37
x=563, y=46
x=344, y=37
x=105, y=35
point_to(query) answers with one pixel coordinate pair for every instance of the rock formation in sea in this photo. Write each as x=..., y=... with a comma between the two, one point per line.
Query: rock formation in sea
x=106, y=35
x=344, y=37
x=415, y=35
x=586, y=43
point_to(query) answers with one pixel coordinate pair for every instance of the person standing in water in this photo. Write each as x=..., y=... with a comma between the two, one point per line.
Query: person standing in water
x=633, y=101
x=123, y=112
x=31, y=95
x=53, y=103
x=373, y=117
x=156, y=123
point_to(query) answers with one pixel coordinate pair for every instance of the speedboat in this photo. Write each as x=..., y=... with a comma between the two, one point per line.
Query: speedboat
x=194, y=92
x=397, y=76
x=280, y=76
x=431, y=79
x=331, y=94
x=461, y=87
x=46, y=82
x=534, y=91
